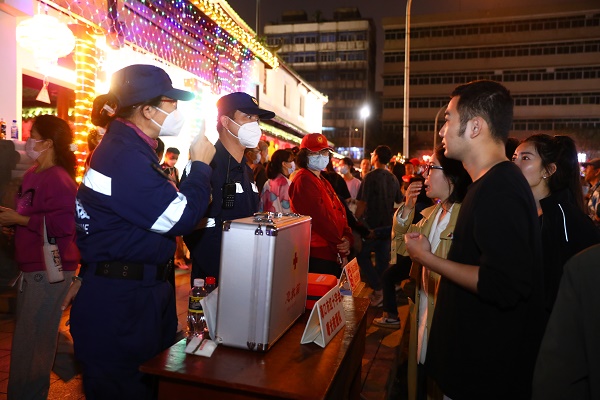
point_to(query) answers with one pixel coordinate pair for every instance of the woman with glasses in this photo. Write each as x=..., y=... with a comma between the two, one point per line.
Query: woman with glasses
x=275, y=194
x=47, y=193
x=447, y=181
x=311, y=194
x=128, y=214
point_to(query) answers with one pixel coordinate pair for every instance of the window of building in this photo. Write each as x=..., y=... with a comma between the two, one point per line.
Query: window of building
x=301, y=108
x=327, y=37
x=285, y=96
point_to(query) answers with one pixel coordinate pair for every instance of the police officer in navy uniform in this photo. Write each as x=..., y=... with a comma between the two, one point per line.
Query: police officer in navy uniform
x=128, y=214
x=235, y=194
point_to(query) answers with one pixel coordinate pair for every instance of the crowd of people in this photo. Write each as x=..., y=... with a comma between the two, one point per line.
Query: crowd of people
x=489, y=230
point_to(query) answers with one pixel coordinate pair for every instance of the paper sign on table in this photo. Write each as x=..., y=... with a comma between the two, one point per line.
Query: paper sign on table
x=350, y=279
x=326, y=319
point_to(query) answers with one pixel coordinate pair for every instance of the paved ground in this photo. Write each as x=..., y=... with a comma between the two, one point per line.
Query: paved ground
x=382, y=371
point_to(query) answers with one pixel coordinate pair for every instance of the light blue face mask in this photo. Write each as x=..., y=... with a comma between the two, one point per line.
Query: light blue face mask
x=317, y=162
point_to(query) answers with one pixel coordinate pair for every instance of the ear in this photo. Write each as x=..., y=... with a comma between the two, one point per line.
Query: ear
x=224, y=120
x=475, y=128
x=146, y=111
x=551, y=169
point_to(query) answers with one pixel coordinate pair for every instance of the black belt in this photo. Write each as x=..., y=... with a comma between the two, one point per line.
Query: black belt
x=131, y=271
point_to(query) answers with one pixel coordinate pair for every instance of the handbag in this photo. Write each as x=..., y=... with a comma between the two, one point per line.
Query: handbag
x=52, y=261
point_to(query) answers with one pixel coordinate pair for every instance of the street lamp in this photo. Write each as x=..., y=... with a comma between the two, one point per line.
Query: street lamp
x=364, y=114
x=405, y=130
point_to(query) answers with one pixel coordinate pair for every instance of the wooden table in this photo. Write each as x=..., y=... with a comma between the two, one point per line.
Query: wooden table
x=288, y=370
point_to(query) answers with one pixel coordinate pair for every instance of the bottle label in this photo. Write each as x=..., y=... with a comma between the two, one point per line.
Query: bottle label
x=194, y=305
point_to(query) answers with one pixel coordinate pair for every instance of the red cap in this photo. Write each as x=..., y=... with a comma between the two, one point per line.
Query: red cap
x=314, y=142
x=211, y=280
x=415, y=162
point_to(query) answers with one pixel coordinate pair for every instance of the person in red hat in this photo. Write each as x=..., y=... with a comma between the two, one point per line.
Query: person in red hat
x=311, y=194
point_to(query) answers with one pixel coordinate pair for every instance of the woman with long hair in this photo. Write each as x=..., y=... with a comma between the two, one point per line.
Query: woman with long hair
x=447, y=181
x=550, y=165
x=47, y=194
x=275, y=196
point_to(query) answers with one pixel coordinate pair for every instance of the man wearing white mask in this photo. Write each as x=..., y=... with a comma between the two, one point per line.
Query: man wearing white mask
x=234, y=192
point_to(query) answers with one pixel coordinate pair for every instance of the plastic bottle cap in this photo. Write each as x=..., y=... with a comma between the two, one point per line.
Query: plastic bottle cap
x=198, y=282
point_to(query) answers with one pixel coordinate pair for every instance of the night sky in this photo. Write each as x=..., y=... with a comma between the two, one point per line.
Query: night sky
x=271, y=11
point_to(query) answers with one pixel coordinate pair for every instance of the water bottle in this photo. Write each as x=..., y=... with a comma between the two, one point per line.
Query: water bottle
x=196, y=320
x=211, y=284
x=14, y=130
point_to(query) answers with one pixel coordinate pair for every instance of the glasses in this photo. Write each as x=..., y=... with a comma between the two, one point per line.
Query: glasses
x=429, y=167
x=167, y=100
x=324, y=152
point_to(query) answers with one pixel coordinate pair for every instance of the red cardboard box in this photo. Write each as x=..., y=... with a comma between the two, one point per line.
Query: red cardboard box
x=318, y=285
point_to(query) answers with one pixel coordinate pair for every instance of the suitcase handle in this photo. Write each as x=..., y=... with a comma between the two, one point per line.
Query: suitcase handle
x=268, y=216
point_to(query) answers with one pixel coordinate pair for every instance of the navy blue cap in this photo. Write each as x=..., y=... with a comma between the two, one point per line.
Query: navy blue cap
x=138, y=83
x=244, y=103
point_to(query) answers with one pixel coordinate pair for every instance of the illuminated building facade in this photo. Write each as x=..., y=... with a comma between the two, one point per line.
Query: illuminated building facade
x=338, y=58
x=549, y=58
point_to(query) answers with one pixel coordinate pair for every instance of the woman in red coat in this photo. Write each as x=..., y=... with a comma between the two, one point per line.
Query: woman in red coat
x=311, y=194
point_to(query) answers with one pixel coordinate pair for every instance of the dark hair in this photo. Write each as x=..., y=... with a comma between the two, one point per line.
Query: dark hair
x=58, y=130
x=510, y=146
x=348, y=161
x=93, y=138
x=488, y=100
x=160, y=149
x=101, y=116
x=561, y=151
x=399, y=170
x=456, y=174
x=302, y=158
x=384, y=153
x=173, y=150
x=274, y=167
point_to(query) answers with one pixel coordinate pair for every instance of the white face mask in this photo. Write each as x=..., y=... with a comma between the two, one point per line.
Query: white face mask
x=291, y=168
x=29, y=145
x=249, y=134
x=257, y=159
x=344, y=170
x=317, y=162
x=172, y=124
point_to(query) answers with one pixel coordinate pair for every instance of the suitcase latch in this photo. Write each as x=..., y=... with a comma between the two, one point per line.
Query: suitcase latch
x=258, y=231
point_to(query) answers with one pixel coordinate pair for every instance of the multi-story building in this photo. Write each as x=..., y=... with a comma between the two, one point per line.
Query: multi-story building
x=337, y=58
x=549, y=58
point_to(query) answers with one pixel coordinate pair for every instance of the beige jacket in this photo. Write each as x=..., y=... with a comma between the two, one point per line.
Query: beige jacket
x=399, y=247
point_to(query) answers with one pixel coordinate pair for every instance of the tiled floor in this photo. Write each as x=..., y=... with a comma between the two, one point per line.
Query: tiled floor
x=382, y=352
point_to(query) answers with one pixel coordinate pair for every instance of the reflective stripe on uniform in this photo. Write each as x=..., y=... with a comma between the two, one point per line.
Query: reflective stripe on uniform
x=98, y=182
x=171, y=215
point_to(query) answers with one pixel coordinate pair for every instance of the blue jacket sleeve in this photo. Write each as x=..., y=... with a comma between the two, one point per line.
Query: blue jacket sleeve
x=144, y=197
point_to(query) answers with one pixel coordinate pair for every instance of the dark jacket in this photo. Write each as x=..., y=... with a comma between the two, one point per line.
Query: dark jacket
x=128, y=209
x=566, y=230
x=568, y=364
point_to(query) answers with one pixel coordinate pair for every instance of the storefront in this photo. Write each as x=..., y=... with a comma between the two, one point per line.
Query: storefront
x=203, y=46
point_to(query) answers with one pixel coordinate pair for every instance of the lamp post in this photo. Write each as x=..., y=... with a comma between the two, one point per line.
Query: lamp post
x=405, y=130
x=364, y=114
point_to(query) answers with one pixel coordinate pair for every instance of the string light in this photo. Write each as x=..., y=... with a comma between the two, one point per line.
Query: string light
x=204, y=38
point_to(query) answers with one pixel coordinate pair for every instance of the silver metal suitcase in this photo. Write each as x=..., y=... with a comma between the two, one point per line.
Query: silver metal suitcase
x=263, y=279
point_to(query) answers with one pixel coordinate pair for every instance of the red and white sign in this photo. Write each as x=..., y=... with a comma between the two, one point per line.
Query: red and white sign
x=326, y=319
x=350, y=279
